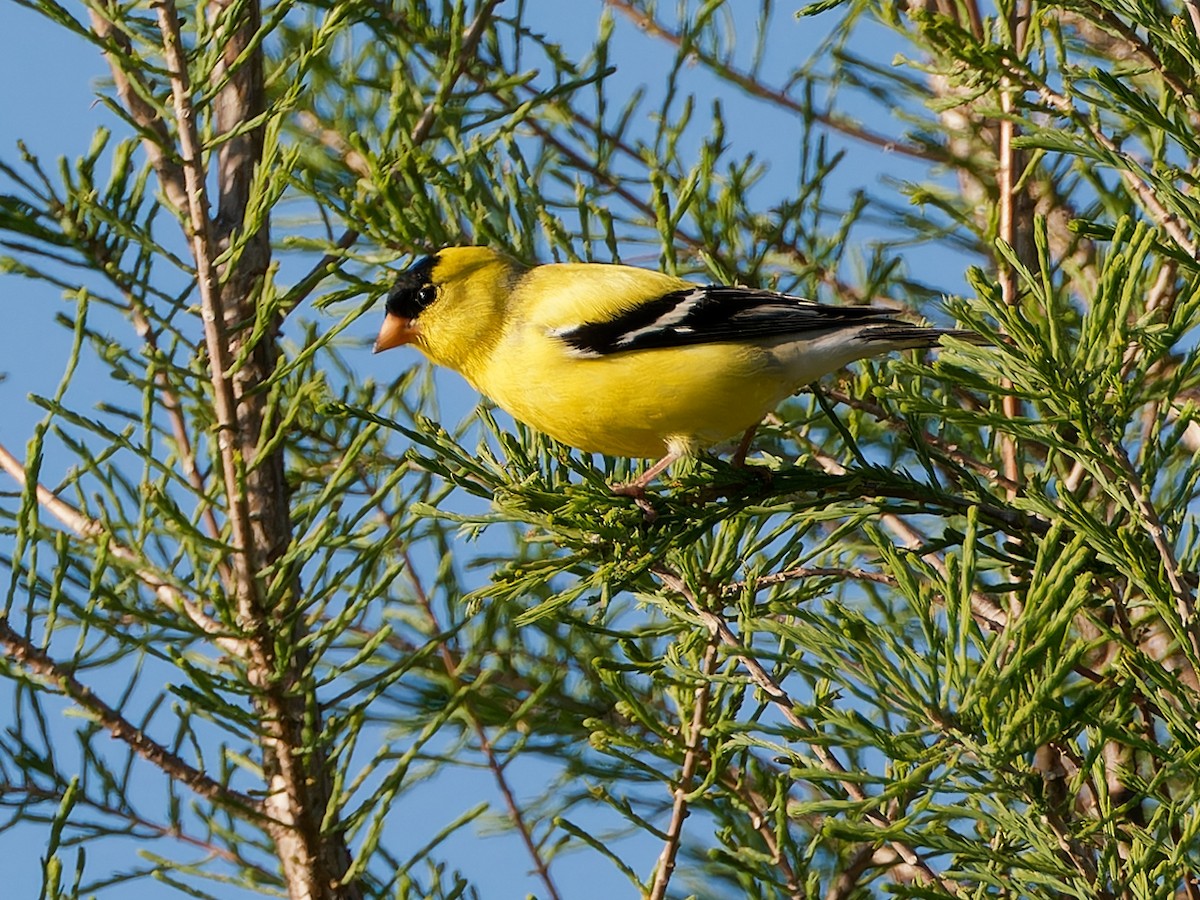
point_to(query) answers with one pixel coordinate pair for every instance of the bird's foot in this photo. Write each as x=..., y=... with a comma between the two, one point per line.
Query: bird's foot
x=637, y=488
x=637, y=491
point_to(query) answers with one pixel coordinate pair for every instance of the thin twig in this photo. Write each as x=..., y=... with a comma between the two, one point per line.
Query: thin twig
x=783, y=702
x=132, y=822
x=1005, y=187
x=24, y=653
x=183, y=443
x=1008, y=161
x=845, y=883
x=944, y=447
x=985, y=611
x=1168, y=221
x=170, y=175
x=1109, y=22
x=761, y=821
x=471, y=39
x=691, y=761
x=171, y=178
x=774, y=578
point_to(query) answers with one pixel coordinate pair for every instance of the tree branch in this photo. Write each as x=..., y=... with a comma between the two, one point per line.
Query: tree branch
x=25, y=654
x=204, y=252
x=1185, y=602
x=158, y=137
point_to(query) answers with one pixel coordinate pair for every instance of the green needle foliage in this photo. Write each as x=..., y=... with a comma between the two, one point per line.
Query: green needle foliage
x=283, y=619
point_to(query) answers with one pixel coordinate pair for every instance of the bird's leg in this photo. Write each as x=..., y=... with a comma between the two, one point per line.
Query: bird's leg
x=738, y=459
x=637, y=488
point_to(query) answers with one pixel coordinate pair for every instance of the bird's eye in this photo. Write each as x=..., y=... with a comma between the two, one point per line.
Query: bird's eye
x=427, y=295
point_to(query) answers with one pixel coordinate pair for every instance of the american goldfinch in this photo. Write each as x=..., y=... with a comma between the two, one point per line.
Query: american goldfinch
x=627, y=361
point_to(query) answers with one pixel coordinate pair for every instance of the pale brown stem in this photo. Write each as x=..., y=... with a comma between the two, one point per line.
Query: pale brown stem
x=1168, y=221
x=799, y=572
x=846, y=883
x=171, y=179
x=760, y=819
x=983, y=609
x=313, y=857
x=471, y=39
x=1104, y=19
x=170, y=174
x=691, y=761
x=204, y=252
x=1006, y=178
x=945, y=448
x=1009, y=404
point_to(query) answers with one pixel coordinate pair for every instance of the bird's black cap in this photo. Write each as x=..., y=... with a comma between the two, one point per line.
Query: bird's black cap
x=414, y=289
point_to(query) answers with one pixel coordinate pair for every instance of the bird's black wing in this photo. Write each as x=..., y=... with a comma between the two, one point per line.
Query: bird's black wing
x=715, y=314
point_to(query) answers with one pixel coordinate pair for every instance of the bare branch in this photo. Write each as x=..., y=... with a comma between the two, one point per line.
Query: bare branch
x=1168, y=221
x=1006, y=189
x=204, y=252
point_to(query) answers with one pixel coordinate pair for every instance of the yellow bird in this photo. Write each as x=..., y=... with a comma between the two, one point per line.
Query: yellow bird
x=626, y=361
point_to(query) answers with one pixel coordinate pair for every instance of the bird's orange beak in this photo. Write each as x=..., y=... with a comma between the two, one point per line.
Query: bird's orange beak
x=396, y=330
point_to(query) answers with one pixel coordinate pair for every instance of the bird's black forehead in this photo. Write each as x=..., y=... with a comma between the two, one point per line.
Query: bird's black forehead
x=413, y=290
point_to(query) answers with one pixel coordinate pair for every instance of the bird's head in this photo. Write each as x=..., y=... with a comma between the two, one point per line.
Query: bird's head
x=450, y=305
x=412, y=293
